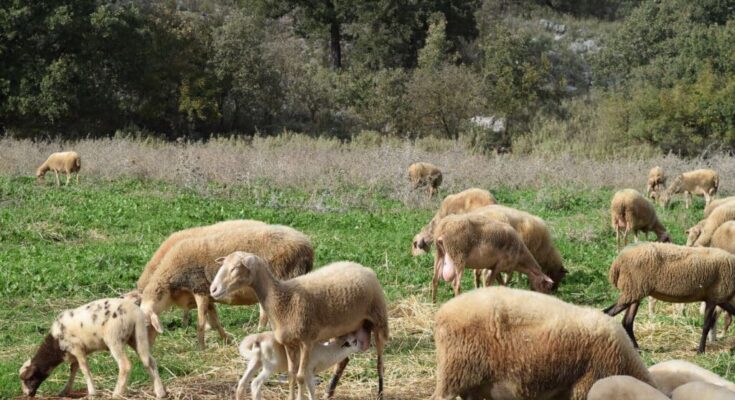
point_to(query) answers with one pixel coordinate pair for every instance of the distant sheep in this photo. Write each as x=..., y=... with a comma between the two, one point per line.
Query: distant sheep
x=458, y=203
x=656, y=181
x=190, y=266
x=425, y=174
x=671, y=374
x=719, y=216
x=67, y=162
x=479, y=242
x=630, y=211
x=623, y=387
x=261, y=350
x=334, y=300
x=97, y=326
x=672, y=273
x=506, y=343
x=701, y=182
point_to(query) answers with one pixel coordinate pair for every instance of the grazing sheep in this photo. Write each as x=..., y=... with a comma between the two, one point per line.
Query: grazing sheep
x=189, y=267
x=716, y=203
x=457, y=203
x=702, y=391
x=67, y=162
x=479, y=242
x=187, y=302
x=535, y=236
x=630, y=211
x=671, y=374
x=719, y=216
x=503, y=343
x=100, y=325
x=672, y=273
x=261, y=350
x=623, y=387
x=701, y=182
x=336, y=299
x=425, y=174
x=656, y=180
x=694, y=232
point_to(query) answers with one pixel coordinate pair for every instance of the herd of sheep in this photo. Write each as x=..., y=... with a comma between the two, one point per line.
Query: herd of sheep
x=491, y=343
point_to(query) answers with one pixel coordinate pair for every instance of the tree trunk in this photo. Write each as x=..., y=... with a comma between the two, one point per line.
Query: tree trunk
x=335, y=37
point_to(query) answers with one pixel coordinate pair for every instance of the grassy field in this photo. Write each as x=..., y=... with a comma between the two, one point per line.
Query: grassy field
x=62, y=247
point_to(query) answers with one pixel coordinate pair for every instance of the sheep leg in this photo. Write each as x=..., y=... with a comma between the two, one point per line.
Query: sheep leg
x=293, y=369
x=58, y=183
x=687, y=199
x=257, y=384
x=478, y=278
x=262, y=317
x=651, y=305
x=457, y=282
x=213, y=319
x=615, y=309
x=728, y=322
x=379, y=345
x=82, y=359
x=618, y=238
x=202, y=306
x=249, y=371
x=304, y=374
x=336, y=375
x=123, y=364
x=709, y=316
x=435, y=281
x=628, y=320
x=68, y=177
x=73, y=368
x=77, y=177
x=493, y=275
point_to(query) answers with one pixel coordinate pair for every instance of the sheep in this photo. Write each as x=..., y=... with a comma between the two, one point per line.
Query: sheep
x=622, y=387
x=694, y=232
x=331, y=301
x=476, y=241
x=425, y=174
x=630, y=211
x=535, y=236
x=719, y=216
x=672, y=273
x=498, y=342
x=67, y=162
x=702, y=391
x=261, y=350
x=656, y=180
x=458, y=203
x=186, y=301
x=671, y=374
x=702, y=182
x=716, y=203
x=100, y=325
x=189, y=267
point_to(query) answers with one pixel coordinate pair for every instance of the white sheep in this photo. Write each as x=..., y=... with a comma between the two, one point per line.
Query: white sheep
x=671, y=374
x=702, y=391
x=425, y=174
x=656, y=180
x=97, y=326
x=623, y=387
x=67, y=162
x=719, y=216
x=716, y=203
x=336, y=299
x=672, y=273
x=630, y=211
x=479, y=242
x=504, y=343
x=701, y=182
x=261, y=350
x=190, y=266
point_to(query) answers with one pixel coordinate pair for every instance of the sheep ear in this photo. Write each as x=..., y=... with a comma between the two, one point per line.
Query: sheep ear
x=156, y=323
x=220, y=260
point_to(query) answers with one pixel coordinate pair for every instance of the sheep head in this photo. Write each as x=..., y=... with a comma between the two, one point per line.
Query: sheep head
x=693, y=234
x=421, y=244
x=238, y=270
x=31, y=378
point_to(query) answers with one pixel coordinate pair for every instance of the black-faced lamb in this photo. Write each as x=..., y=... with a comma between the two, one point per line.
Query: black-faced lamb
x=106, y=324
x=334, y=300
x=504, y=343
x=425, y=174
x=190, y=266
x=479, y=242
x=630, y=211
x=672, y=273
x=67, y=162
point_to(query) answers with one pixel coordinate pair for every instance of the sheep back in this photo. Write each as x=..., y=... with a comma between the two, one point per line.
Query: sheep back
x=720, y=215
x=622, y=387
x=527, y=345
x=716, y=203
x=724, y=237
x=629, y=206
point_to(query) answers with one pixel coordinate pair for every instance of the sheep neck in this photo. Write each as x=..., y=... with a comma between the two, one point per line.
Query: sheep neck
x=267, y=289
x=49, y=355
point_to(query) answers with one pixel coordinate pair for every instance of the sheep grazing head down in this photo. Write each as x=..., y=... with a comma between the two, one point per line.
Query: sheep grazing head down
x=236, y=272
x=31, y=378
x=419, y=245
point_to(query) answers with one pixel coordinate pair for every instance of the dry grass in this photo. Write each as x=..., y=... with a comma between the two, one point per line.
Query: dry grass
x=322, y=166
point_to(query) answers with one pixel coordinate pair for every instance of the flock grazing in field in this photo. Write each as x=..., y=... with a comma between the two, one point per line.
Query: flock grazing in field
x=491, y=343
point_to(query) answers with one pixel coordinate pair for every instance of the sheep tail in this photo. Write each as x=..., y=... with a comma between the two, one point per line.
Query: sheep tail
x=142, y=343
x=614, y=273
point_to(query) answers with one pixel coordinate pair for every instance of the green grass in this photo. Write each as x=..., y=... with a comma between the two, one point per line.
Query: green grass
x=62, y=247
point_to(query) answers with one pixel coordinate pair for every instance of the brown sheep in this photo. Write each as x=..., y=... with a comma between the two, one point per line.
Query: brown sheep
x=506, y=343
x=67, y=162
x=458, y=203
x=334, y=300
x=630, y=211
x=479, y=242
x=425, y=174
x=656, y=180
x=189, y=267
x=701, y=182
